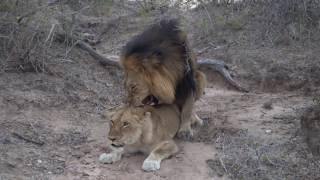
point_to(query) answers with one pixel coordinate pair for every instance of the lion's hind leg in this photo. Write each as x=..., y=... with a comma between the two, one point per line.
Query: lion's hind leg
x=164, y=150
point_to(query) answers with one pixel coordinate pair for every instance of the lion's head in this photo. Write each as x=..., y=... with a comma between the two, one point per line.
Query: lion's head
x=126, y=125
x=155, y=63
x=138, y=91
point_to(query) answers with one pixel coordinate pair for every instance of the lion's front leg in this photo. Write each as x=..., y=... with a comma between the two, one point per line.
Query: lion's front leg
x=164, y=150
x=114, y=156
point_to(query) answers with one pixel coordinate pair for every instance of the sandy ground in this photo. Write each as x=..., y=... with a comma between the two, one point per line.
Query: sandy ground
x=67, y=133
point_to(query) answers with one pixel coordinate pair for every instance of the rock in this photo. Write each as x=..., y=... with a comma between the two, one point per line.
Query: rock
x=267, y=105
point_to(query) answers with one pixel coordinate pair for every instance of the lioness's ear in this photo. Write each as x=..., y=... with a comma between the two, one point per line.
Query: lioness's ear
x=109, y=114
x=114, y=112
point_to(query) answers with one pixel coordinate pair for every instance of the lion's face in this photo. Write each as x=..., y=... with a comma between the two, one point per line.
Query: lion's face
x=138, y=90
x=125, y=127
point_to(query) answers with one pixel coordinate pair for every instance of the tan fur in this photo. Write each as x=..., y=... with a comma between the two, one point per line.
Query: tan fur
x=146, y=129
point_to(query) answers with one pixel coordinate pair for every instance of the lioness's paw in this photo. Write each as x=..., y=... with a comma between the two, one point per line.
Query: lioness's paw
x=109, y=158
x=151, y=165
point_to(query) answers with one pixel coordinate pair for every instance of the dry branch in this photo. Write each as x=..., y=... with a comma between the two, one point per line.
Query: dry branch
x=27, y=139
x=102, y=59
x=214, y=64
x=86, y=47
x=222, y=68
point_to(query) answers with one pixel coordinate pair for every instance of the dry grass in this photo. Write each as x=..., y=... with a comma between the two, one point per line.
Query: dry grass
x=248, y=157
x=268, y=22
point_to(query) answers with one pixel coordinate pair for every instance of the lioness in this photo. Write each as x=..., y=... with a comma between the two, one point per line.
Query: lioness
x=147, y=129
x=160, y=68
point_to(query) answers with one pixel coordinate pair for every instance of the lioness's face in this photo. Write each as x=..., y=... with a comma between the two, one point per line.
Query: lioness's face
x=138, y=90
x=125, y=128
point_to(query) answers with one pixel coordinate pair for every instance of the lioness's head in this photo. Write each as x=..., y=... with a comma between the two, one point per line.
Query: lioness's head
x=126, y=125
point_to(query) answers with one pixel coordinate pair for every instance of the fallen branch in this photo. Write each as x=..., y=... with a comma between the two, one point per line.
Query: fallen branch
x=222, y=68
x=84, y=46
x=27, y=139
x=214, y=64
x=102, y=59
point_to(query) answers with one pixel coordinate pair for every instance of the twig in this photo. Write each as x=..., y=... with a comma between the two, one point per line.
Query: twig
x=40, y=143
x=50, y=33
x=223, y=165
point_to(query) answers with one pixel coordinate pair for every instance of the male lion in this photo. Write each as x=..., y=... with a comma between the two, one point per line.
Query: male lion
x=147, y=129
x=161, y=69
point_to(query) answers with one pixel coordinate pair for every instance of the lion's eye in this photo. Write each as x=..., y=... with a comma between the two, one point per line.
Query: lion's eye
x=125, y=124
x=133, y=87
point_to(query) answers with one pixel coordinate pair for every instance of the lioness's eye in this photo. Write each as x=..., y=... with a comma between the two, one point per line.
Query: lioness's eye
x=126, y=124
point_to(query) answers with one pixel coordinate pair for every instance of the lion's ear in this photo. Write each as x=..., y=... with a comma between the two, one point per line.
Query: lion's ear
x=150, y=64
x=152, y=60
x=147, y=114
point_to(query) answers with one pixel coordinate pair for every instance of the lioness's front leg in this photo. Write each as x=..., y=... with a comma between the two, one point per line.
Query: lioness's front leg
x=162, y=151
x=113, y=156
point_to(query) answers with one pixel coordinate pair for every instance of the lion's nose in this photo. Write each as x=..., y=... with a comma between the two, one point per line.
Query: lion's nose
x=112, y=138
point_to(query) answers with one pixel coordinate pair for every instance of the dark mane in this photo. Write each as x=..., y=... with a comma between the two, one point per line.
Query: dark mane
x=165, y=39
x=150, y=41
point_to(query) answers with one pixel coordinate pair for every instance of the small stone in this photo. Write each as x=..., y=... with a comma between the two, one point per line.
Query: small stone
x=86, y=149
x=39, y=161
x=268, y=131
x=267, y=105
x=78, y=154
